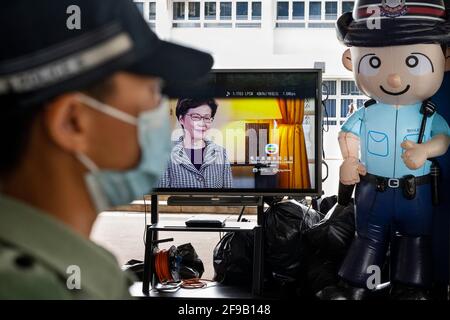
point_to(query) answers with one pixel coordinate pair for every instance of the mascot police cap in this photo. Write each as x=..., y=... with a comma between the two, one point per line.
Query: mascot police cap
x=382, y=23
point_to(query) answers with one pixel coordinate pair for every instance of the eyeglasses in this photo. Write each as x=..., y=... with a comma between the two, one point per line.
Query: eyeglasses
x=197, y=117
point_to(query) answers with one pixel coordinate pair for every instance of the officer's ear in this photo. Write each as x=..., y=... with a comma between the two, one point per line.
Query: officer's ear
x=65, y=121
x=447, y=60
x=347, y=60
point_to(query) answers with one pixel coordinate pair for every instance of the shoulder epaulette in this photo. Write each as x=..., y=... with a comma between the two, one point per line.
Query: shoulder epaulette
x=368, y=103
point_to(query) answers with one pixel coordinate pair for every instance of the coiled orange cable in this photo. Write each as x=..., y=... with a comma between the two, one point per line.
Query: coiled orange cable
x=162, y=266
x=194, y=283
x=164, y=275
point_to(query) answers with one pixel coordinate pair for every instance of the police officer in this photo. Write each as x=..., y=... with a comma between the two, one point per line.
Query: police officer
x=398, y=57
x=83, y=127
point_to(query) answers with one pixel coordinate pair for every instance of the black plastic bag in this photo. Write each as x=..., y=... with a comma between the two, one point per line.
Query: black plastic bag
x=326, y=204
x=327, y=244
x=321, y=272
x=285, y=223
x=283, y=258
x=334, y=234
x=233, y=258
x=190, y=265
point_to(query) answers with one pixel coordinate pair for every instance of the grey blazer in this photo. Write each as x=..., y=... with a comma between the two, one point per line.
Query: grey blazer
x=215, y=171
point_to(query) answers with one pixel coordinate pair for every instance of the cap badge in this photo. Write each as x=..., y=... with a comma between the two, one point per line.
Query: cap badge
x=393, y=8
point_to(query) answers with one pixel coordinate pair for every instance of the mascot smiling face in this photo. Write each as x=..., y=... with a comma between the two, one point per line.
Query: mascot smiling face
x=396, y=75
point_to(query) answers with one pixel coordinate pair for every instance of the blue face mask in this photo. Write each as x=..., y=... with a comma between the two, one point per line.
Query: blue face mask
x=112, y=188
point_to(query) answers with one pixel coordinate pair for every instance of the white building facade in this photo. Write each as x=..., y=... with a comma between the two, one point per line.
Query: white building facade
x=268, y=34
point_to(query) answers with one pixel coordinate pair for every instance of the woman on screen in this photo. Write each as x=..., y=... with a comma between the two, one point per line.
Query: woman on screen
x=196, y=161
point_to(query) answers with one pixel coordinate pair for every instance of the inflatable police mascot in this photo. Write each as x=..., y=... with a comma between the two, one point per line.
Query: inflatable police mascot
x=398, y=56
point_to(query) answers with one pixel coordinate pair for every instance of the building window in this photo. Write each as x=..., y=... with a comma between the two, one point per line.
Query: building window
x=178, y=11
x=360, y=103
x=329, y=93
x=330, y=108
x=311, y=14
x=329, y=88
x=330, y=10
x=241, y=10
x=298, y=10
x=349, y=106
x=140, y=6
x=349, y=88
x=210, y=11
x=152, y=11
x=344, y=98
x=225, y=10
x=194, y=10
x=151, y=15
x=256, y=10
x=345, y=107
x=282, y=10
x=315, y=10
x=347, y=6
x=216, y=14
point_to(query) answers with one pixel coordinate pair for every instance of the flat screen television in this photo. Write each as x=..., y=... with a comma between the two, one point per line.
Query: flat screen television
x=247, y=132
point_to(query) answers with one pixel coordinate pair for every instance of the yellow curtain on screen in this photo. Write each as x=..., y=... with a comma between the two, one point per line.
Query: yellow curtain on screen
x=292, y=144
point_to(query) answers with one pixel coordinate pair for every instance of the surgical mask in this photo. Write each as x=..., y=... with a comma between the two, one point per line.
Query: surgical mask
x=112, y=188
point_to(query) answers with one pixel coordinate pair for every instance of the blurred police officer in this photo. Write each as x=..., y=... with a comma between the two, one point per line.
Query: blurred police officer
x=83, y=128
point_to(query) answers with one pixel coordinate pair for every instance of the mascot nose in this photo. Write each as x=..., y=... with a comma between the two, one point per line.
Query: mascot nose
x=394, y=81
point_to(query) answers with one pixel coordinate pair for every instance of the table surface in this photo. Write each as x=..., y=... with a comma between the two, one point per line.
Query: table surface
x=214, y=290
x=180, y=226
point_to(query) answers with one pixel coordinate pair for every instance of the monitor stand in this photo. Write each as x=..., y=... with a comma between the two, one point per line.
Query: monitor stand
x=151, y=236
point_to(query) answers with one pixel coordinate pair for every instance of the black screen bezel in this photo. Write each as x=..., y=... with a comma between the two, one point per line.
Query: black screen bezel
x=275, y=191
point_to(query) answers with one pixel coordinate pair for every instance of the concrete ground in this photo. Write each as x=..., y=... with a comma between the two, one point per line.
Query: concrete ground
x=122, y=233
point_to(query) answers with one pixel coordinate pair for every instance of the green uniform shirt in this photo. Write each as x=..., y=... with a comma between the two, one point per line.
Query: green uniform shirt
x=41, y=258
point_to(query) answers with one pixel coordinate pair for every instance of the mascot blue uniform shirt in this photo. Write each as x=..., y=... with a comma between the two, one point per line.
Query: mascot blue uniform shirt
x=382, y=129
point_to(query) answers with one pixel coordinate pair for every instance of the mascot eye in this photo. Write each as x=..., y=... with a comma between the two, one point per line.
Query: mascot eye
x=369, y=65
x=375, y=62
x=419, y=64
x=412, y=61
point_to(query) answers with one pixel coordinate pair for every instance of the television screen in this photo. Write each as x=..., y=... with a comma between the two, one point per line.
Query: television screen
x=247, y=133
